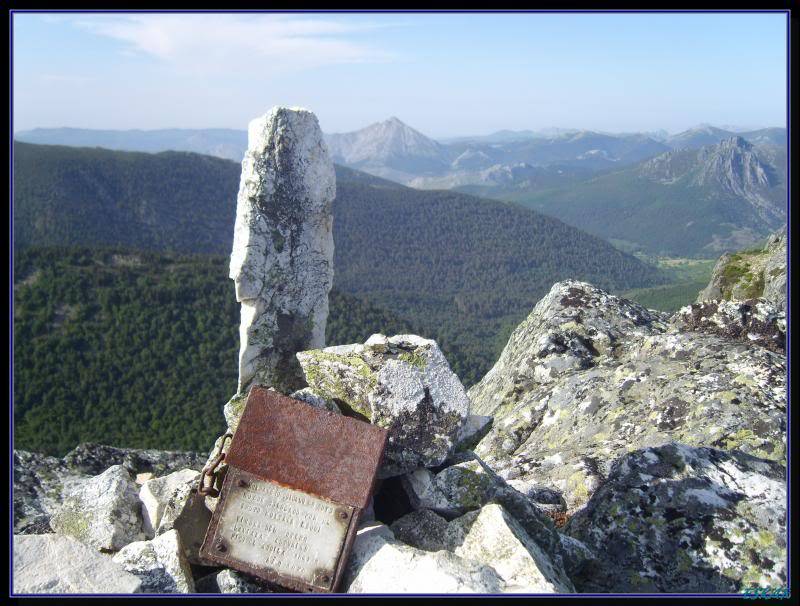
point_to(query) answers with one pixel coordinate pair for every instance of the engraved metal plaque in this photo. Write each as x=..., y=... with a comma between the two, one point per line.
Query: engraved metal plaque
x=297, y=480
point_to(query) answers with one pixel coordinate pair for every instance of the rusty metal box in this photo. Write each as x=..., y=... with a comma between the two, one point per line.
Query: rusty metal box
x=297, y=481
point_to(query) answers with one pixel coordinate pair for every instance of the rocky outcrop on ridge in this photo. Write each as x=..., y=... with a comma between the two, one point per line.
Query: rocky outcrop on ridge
x=753, y=273
x=588, y=377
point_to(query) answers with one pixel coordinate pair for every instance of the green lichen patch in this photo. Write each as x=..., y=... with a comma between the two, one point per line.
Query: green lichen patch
x=415, y=359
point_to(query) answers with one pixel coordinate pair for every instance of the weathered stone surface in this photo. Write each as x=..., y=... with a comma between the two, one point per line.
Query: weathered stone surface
x=625, y=379
x=468, y=484
x=381, y=564
x=402, y=383
x=493, y=537
x=94, y=459
x=309, y=397
x=232, y=581
x=682, y=519
x=423, y=529
x=453, y=491
x=754, y=321
x=474, y=429
x=282, y=258
x=189, y=513
x=156, y=493
x=159, y=563
x=775, y=269
x=40, y=481
x=102, y=511
x=572, y=328
x=751, y=274
x=52, y=563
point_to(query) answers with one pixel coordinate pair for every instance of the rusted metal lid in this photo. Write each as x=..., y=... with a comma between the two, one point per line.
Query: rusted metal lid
x=306, y=448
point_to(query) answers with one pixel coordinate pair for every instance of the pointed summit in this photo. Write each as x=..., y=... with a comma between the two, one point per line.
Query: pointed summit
x=390, y=149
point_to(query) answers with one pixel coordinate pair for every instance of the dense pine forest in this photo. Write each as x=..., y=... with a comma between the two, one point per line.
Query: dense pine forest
x=135, y=349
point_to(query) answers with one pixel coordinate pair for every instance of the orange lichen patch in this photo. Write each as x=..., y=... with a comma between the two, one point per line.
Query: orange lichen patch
x=559, y=518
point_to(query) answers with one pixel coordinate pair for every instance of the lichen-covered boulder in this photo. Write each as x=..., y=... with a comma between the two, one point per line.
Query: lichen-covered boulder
x=572, y=328
x=156, y=493
x=641, y=382
x=379, y=563
x=53, y=563
x=776, y=269
x=159, y=563
x=687, y=520
x=493, y=537
x=754, y=321
x=489, y=536
x=402, y=383
x=39, y=482
x=753, y=273
x=103, y=511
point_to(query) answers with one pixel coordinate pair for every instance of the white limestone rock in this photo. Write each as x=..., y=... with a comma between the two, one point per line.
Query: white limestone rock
x=402, y=383
x=282, y=258
x=53, y=563
x=380, y=564
x=491, y=536
x=156, y=492
x=103, y=511
x=159, y=563
x=187, y=512
x=232, y=581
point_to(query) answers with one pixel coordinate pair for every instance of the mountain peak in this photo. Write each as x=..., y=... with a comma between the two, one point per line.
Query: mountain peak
x=735, y=142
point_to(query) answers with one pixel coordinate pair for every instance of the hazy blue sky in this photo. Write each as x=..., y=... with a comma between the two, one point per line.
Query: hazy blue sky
x=445, y=75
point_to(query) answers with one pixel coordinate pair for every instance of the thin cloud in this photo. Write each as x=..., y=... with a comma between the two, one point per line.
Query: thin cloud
x=203, y=42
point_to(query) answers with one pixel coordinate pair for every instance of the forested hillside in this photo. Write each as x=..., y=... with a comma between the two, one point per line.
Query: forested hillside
x=462, y=269
x=135, y=349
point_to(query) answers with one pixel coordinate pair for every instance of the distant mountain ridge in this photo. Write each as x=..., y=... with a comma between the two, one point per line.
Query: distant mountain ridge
x=723, y=196
x=225, y=143
x=394, y=150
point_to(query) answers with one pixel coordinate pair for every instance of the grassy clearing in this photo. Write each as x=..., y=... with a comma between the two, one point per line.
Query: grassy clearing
x=688, y=277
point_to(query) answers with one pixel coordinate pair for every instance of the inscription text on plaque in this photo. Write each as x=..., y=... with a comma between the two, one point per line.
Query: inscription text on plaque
x=289, y=532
